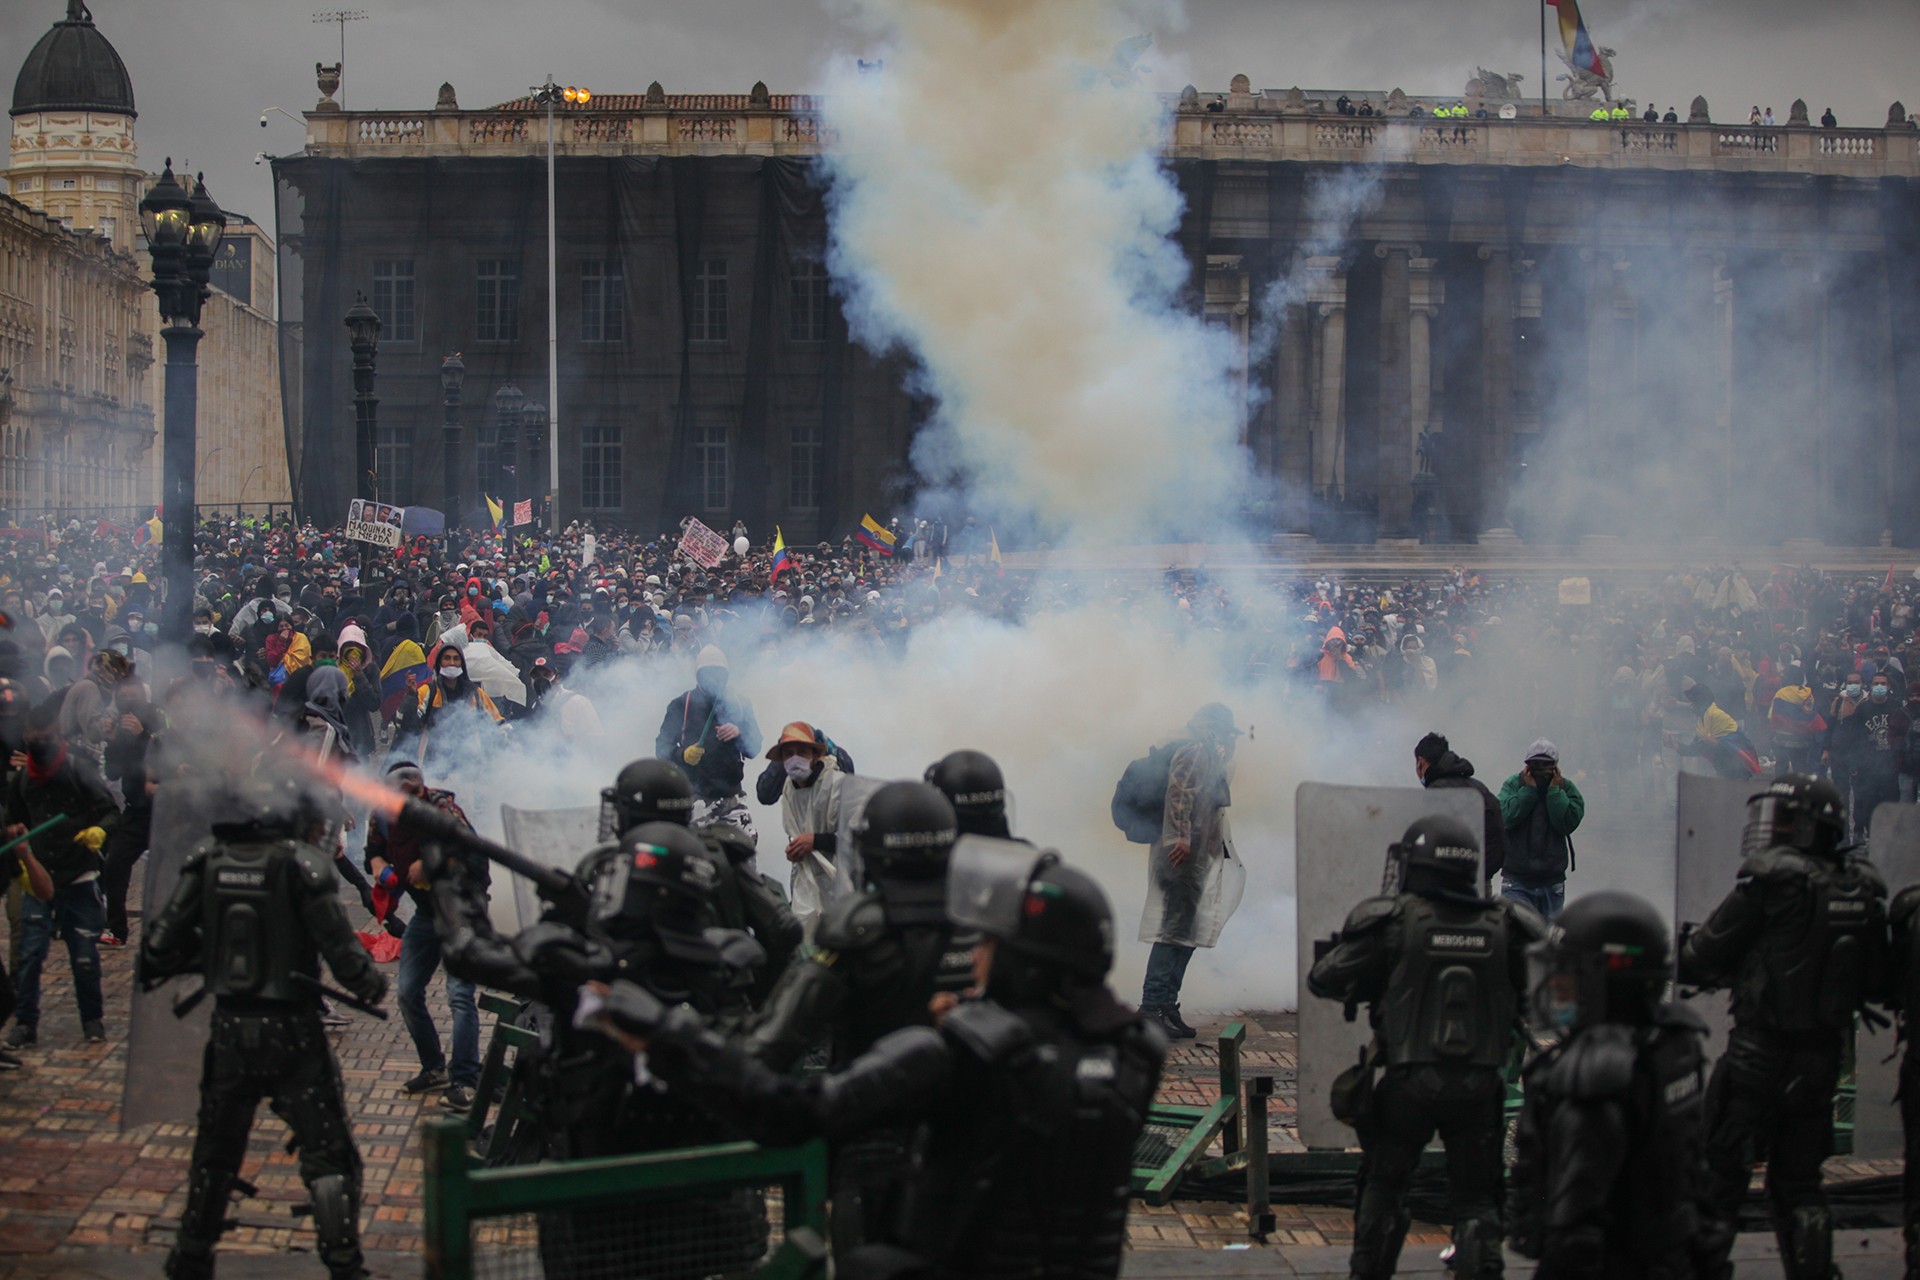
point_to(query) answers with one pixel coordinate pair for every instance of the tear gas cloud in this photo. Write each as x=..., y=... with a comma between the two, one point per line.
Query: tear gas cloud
x=1000, y=210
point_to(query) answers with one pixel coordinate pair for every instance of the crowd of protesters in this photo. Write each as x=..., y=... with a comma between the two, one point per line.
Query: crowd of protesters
x=1717, y=670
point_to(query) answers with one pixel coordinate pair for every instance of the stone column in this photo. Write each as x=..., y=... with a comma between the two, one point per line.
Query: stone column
x=1602, y=373
x=1327, y=300
x=1396, y=461
x=1493, y=451
x=1704, y=406
x=1290, y=464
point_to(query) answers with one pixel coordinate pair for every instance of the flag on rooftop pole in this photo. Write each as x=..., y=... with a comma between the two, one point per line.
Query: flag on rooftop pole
x=1581, y=51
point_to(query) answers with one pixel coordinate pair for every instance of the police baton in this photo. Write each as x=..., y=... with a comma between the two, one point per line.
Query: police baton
x=340, y=997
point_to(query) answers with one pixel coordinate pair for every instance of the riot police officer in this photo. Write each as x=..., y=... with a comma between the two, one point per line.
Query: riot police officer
x=1029, y=1099
x=646, y=919
x=1442, y=971
x=1802, y=941
x=878, y=961
x=743, y=899
x=1610, y=1159
x=973, y=784
x=253, y=912
x=1903, y=991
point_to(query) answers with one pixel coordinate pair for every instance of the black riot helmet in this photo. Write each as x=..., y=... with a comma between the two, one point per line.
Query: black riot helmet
x=1606, y=959
x=646, y=791
x=269, y=808
x=974, y=785
x=906, y=832
x=1799, y=811
x=1050, y=920
x=658, y=887
x=1438, y=857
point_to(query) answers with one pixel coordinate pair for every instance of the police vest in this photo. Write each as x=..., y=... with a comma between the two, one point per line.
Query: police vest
x=254, y=937
x=1817, y=977
x=1450, y=999
x=1029, y=1173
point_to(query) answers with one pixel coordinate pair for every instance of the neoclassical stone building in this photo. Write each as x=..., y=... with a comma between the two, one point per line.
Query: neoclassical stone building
x=77, y=320
x=1715, y=322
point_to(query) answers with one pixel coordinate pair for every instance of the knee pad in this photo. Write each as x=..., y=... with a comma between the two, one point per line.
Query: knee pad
x=209, y=1196
x=336, y=1219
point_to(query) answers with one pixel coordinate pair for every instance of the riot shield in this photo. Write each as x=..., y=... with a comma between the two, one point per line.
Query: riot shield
x=1341, y=835
x=162, y=1081
x=1894, y=843
x=553, y=837
x=1708, y=818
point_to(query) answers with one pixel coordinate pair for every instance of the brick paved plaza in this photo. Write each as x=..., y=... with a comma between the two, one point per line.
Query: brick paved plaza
x=79, y=1199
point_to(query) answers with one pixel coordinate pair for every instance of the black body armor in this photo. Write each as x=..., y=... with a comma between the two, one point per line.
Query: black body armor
x=1609, y=1163
x=1451, y=996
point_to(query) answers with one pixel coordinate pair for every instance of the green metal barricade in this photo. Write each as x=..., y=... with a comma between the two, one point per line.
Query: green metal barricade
x=1175, y=1138
x=462, y=1202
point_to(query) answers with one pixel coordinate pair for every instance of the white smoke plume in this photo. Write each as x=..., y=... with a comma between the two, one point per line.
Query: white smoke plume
x=1000, y=210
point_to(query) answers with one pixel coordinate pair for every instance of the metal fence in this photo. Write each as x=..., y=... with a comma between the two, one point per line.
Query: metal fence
x=662, y=1213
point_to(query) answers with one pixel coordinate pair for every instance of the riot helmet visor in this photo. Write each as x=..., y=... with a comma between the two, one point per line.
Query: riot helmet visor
x=987, y=883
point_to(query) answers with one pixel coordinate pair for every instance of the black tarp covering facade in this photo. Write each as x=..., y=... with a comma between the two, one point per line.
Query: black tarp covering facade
x=704, y=362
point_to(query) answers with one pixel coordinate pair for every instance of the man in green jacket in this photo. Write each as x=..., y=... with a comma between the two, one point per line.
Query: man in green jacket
x=1540, y=809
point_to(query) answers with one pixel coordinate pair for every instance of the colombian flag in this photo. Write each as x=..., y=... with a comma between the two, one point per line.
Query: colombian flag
x=405, y=670
x=495, y=510
x=781, y=560
x=1581, y=52
x=876, y=535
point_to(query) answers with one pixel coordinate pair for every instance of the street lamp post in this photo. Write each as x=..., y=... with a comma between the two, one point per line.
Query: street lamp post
x=507, y=403
x=453, y=373
x=533, y=425
x=363, y=338
x=550, y=96
x=183, y=234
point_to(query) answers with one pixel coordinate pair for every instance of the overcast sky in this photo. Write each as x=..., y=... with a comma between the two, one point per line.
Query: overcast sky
x=203, y=70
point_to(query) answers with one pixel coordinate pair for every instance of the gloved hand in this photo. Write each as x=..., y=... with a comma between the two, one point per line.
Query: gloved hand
x=91, y=839
x=372, y=989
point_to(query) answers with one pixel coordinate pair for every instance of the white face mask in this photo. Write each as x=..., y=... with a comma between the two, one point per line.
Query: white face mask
x=452, y=673
x=203, y=629
x=799, y=768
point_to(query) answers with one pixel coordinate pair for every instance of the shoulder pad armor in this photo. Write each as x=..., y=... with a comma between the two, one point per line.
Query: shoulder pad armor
x=1528, y=923
x=198, y=855
x=1371, y=914
x=1905, y=903
x=738, y=949
x=1869, y=875
x=1777, y=865
x=1680, y=1017
x=1598, y=1063
x=316, y=868
x=987, y=1030
x=852, y=924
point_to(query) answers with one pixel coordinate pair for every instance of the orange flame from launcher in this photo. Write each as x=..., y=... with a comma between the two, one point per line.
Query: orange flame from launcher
x=383, y=800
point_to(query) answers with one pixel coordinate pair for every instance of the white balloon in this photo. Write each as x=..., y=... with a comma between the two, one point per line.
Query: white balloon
x=740, y=545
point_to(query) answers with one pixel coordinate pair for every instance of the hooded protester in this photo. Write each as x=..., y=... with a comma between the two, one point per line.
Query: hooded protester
x=56, y=616
x=1194, y=877
x=1436, y=765
x=395, y=621
x=712, y=732
x=810, y=817
x=438, y=703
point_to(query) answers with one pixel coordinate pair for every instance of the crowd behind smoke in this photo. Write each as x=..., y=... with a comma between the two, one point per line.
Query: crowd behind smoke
x=1063, y=677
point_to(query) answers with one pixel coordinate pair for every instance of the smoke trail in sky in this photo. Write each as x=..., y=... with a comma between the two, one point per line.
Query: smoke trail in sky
x=1001, y=211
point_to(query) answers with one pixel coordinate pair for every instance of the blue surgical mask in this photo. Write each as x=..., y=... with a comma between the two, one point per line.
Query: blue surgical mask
x=1880, y=693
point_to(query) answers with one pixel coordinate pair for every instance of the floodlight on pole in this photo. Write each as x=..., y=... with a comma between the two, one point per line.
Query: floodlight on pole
x=342, y=17
x=551, y=95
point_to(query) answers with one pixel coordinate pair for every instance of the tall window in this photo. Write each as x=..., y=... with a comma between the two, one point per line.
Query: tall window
x=393, y=298
x=710, y=301
x=803, y=467
x=603, y=302
x=600, y=468
x=498, y=318
x=807, y=300
x=710, y=464
x=393, y=460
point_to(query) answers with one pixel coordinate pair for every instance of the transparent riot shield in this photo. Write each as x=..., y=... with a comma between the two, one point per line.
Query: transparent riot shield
x=552, y=837
x=1341, y=835
x=1894, y=845
x=162, y=1082
x=1708, y=819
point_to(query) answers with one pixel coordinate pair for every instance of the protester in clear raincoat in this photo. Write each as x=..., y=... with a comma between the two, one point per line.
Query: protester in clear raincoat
x=1194, y=877
x=810, y=816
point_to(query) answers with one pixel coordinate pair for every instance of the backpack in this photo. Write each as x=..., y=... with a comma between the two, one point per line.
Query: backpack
x=1140, y=797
